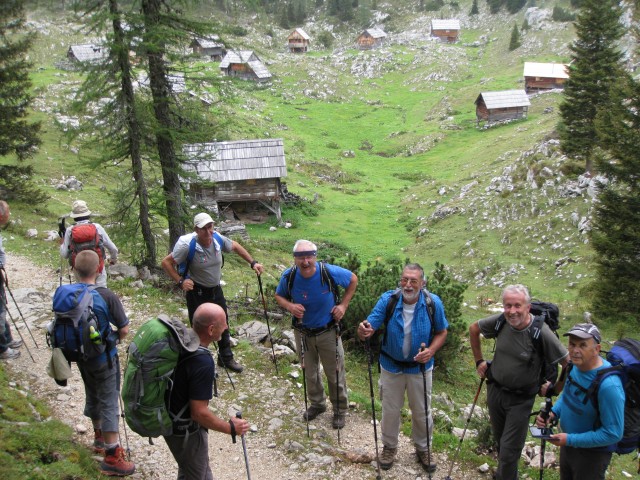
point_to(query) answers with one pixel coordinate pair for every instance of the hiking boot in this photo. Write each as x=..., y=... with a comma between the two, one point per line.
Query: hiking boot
x=15, y=344
x=423, y=459
x=9, y=353
x=313, y=411
x=98, y=442
x=231, y=365
x=338, y=420
x=387, y=458
x=115, y=463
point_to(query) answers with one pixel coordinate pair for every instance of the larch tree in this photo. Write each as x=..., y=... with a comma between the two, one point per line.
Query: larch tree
x=596, y=64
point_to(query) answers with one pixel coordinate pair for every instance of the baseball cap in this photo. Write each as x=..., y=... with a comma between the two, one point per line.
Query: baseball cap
x=584, y=330
x=202, y=219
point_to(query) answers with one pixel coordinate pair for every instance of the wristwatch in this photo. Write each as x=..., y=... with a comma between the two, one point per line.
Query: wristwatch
x=180, y=282
x=253, y=263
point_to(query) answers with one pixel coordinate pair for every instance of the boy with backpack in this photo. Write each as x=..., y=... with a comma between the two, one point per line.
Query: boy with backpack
x=514, y=379
x=91, y=343
x=590, y=427
x=87, y=235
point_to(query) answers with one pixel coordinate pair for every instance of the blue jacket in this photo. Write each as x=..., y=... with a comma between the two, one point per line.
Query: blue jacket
x=420, y=331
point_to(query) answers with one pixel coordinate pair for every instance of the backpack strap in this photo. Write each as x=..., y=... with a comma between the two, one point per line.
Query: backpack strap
x=192, y=252
x=325, y=279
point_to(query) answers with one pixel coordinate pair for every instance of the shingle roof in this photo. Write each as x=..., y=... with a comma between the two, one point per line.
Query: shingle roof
x=213, y=42
x=248, y=57
x=505, y=99
x=238, y=160
x=302, y=33
x=376, y=32
x=88, y=52
x=445, y=24
x=546, y=70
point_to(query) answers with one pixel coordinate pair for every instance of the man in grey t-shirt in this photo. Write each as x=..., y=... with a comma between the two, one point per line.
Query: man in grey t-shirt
x=514, y=377
x=202, y=280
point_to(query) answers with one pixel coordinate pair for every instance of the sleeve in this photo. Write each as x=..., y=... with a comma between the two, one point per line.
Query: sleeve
x=116, y=310
x=378, y=314
x=552, y=347
x=201, y=381
x=2, y=254
x=611, y=400
x=340, y=275
x=227, y=243
x=488, y=325
x=107, y=242
x=181, y=249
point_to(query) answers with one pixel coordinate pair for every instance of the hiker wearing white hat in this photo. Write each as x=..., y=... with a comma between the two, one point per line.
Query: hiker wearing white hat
x=87, y=235
x=195, y=265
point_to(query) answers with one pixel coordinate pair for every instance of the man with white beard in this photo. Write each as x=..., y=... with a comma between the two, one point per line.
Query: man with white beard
x=417, y=319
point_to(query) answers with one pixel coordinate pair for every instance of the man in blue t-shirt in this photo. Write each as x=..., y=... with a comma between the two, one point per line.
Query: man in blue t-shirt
x=587, y=432
x=316, y=321
x=193, y=386
x=403, y=366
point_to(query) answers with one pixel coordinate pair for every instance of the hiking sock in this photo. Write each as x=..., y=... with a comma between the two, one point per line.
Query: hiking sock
x=110, y=448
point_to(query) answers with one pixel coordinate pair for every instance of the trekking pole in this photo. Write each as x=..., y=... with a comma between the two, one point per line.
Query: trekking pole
x=338, y=376
x=266, y=316
x=6, y=306
x=423, y=346
x=545, y=411
x=244, y=449
x=373, y=406
x=6, y=284
x=455, y=455
x=124, y=426
x=225, y=367
x=303, y=347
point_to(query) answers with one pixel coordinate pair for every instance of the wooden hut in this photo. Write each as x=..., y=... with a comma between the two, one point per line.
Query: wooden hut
x=298, y=41
x=501, y=106
x=209, y=47
x=371, y=38
x=448, y=30
x=239, y=178
x=87, y=53
x=544, y=76
x=244, y=64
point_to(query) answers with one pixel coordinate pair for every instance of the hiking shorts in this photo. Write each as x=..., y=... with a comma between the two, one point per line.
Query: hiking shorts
x=102, y=392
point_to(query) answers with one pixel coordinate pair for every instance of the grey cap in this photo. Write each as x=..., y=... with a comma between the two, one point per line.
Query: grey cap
x=585, y=330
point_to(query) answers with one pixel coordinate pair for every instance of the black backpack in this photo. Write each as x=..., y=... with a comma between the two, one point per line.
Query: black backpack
x=543, y=312
x=625, y=362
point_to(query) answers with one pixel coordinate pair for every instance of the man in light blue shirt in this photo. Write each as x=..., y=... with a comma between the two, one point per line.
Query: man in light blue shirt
x=589, y=429
x=8, y=346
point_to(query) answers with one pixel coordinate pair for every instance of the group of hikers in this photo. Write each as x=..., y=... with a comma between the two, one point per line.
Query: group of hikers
x=414, y=326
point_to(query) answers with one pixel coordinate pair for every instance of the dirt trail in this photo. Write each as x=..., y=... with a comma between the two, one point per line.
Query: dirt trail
x=278, y=448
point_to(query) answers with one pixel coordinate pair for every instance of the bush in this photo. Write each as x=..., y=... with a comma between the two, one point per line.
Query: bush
x=433, y=5
x=325, y=39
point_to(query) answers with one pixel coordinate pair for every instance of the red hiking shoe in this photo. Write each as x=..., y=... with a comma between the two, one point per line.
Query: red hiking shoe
x=116, y=464
x=98, y=442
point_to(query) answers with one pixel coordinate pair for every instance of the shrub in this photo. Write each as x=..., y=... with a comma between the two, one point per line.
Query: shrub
x=325, y=39
x=561, y=15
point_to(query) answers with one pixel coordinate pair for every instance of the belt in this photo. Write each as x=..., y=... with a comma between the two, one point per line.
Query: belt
x=201, y=288
x=311, y=332
x=519, y=392
x=398, y=362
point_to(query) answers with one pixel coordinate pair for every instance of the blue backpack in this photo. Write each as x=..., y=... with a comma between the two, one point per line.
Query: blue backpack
x=183, y=268
x=77, y=330
x=625, y=362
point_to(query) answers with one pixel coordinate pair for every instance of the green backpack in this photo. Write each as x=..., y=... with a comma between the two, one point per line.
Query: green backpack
x=155, y=351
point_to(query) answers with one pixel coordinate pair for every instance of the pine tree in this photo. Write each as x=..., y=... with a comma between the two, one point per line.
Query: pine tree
x=515, y=39
x=17, y=135
x=474, y=8
x=597, y=62
x=616, y=224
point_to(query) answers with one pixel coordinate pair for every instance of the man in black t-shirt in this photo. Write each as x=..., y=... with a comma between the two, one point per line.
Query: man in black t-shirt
x=193, y=386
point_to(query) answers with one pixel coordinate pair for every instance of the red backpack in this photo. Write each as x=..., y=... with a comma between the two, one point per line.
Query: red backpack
x=85, y=236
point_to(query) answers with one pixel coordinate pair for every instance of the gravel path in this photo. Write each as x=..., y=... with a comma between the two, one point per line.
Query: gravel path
x=278, y=447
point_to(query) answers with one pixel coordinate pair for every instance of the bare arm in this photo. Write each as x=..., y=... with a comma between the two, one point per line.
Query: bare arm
x=476, y=349
x=201, y=414
x=295, y=309
x=240, y=250
x=169, y=266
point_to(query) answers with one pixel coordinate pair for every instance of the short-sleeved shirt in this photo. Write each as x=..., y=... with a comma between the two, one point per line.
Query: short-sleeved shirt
x=193, y=380
x=205, y=268
x=317, y=298
x=2, y=254
x=516, y=363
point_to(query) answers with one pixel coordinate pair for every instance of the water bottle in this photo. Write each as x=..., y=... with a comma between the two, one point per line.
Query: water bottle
x=94, y=335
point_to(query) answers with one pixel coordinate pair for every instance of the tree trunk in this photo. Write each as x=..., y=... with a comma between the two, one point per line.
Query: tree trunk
x=160, y=91
x=134, y=137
